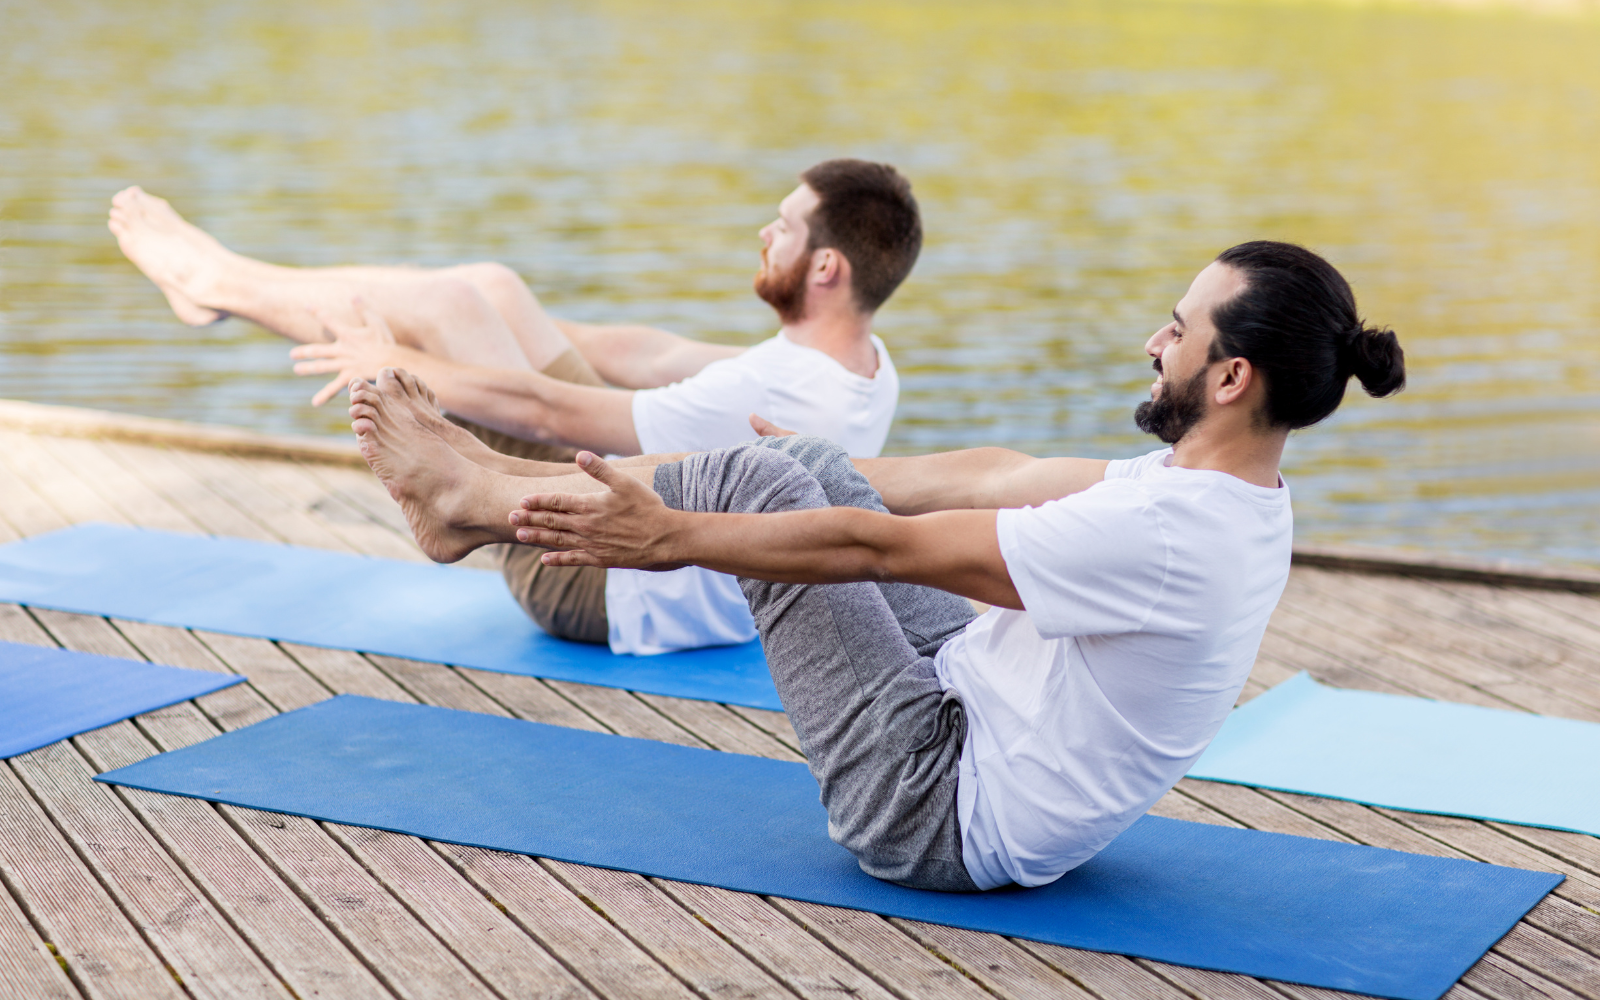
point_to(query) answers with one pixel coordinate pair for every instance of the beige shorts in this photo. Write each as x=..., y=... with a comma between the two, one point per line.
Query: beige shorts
x=566, y=601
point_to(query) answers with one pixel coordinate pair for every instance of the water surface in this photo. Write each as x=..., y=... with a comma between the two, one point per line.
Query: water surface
x=1077, y=163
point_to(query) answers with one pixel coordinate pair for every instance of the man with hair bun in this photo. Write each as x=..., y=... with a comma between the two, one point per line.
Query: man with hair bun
x=960, y=752
x=527, y=386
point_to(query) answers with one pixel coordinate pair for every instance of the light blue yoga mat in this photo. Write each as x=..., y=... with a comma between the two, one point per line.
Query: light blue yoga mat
x=50, y=694
x=443, y=614
x=1412, y=754
x=1318, y=912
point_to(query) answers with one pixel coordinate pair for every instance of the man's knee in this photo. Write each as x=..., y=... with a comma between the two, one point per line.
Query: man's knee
x=742, y=479
x=491, y=279
x=831, y=466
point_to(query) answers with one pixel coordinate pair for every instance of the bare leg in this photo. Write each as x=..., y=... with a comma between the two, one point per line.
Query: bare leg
x=453, y=505
x=480, y=314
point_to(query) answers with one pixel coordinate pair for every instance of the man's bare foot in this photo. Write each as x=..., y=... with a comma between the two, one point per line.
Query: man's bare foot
x=453, y=505
x=424, y=408
x=174, y=254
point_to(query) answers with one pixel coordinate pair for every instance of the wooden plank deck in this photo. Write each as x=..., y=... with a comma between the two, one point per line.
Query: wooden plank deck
x=118, y=893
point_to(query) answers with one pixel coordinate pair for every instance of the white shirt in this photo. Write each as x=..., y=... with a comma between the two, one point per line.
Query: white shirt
x=1147, y=596
x=799, y=388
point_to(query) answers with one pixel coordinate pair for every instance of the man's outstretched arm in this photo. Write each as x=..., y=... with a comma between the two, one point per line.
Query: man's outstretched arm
x=642, y=357
x=970, y=479
x=522, y=403
x=627, y=525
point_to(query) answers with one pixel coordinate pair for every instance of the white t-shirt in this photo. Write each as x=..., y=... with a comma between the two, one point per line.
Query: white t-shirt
x=799, y=388
x=1146, y=595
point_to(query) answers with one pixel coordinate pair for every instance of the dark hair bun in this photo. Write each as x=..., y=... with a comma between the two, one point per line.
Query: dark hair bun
x=1374, y=356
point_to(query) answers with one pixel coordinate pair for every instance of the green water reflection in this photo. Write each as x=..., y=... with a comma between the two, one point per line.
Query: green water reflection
x=1077, y=162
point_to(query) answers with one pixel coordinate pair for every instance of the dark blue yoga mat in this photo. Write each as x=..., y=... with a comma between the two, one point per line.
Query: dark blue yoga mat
x=48, y=694
x=1317, y=912
x=1412, y=753
x=443, y=614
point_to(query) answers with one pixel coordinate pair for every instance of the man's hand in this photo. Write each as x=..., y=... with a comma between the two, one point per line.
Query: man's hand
x=624, y=525
x=767, y=428
x=357, y=351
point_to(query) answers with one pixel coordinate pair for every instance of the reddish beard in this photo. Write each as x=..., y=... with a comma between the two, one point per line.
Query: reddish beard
x=784, y=291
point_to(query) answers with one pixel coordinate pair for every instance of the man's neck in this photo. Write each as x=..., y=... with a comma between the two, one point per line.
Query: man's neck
x=843, y=335
x=1241, y=453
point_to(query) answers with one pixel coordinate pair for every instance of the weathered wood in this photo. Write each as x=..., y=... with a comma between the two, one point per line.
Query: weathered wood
x=529, y=698
x=1253, y=809
x=1112, y=977
x=881, y=950
x=28, y=971
x=720, y=728
x=61, y=486
x=1463, y=649
x=26, y=511
x=776, y=943
x=624, y=713
x=776, y=723
x=672, y=936
x=587, y=943
x=272, y=672
x=344, y=672
x=166, y=475
x=331, y=512
x=435, y=684
x=105, y=954
x=999, y=965
x=1499, y=978
x=478, y=932
x=1421, y=566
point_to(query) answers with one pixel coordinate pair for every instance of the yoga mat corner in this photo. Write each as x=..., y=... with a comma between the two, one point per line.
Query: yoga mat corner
x=49, y=694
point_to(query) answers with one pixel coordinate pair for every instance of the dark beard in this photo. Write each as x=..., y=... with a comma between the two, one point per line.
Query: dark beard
x=785, y=291
x=1175, y=412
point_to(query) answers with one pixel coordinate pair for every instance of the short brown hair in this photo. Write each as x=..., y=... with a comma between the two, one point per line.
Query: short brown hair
x=868, y=214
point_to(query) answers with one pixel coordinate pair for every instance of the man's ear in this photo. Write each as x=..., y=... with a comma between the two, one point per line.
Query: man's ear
x=1237, y=377
x=828, y=267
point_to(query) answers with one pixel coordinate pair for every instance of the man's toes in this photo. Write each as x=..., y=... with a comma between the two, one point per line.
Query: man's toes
x=363, y=426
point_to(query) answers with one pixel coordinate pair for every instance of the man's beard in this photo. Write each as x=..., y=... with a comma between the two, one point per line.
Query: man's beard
x=1175, y=412
x=784, y=291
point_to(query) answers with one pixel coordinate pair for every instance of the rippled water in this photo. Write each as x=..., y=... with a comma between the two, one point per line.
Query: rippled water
x=1077, y=163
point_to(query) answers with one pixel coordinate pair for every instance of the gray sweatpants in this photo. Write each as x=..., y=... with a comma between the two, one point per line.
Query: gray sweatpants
x=852, y=663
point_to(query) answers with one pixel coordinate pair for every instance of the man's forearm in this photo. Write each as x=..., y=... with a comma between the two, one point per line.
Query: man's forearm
x=976, y=479
x=954, y=551
x=527, y=404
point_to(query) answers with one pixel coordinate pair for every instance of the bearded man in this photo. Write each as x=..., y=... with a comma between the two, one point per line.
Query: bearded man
x=530, y=386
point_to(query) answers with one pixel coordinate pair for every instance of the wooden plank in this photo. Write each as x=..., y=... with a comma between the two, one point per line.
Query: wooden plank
x=436, y=684
x=105, y=954
x=115, y=485
x=623, y=712
x=996, y=963
x=194, y=939
x=33, y=463
x=720, y=728
x=164, y=473
x=881, y=950
x=1283, y=643
x=596, y=951
x=511, y=962
x=329, y=511
x=705, y=962
x=529, y=698
x=1112, y=977
x=1577, y=848
x=1462, y=647
x=272, y=672
x=1253, y=809
x=779, y=945
x=344, y=672
x=181, y=922
x=234, y=481
x=775, y=723
x=1176, y=805
x=25, y=510
x=28, y=971
x=1498, y=978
